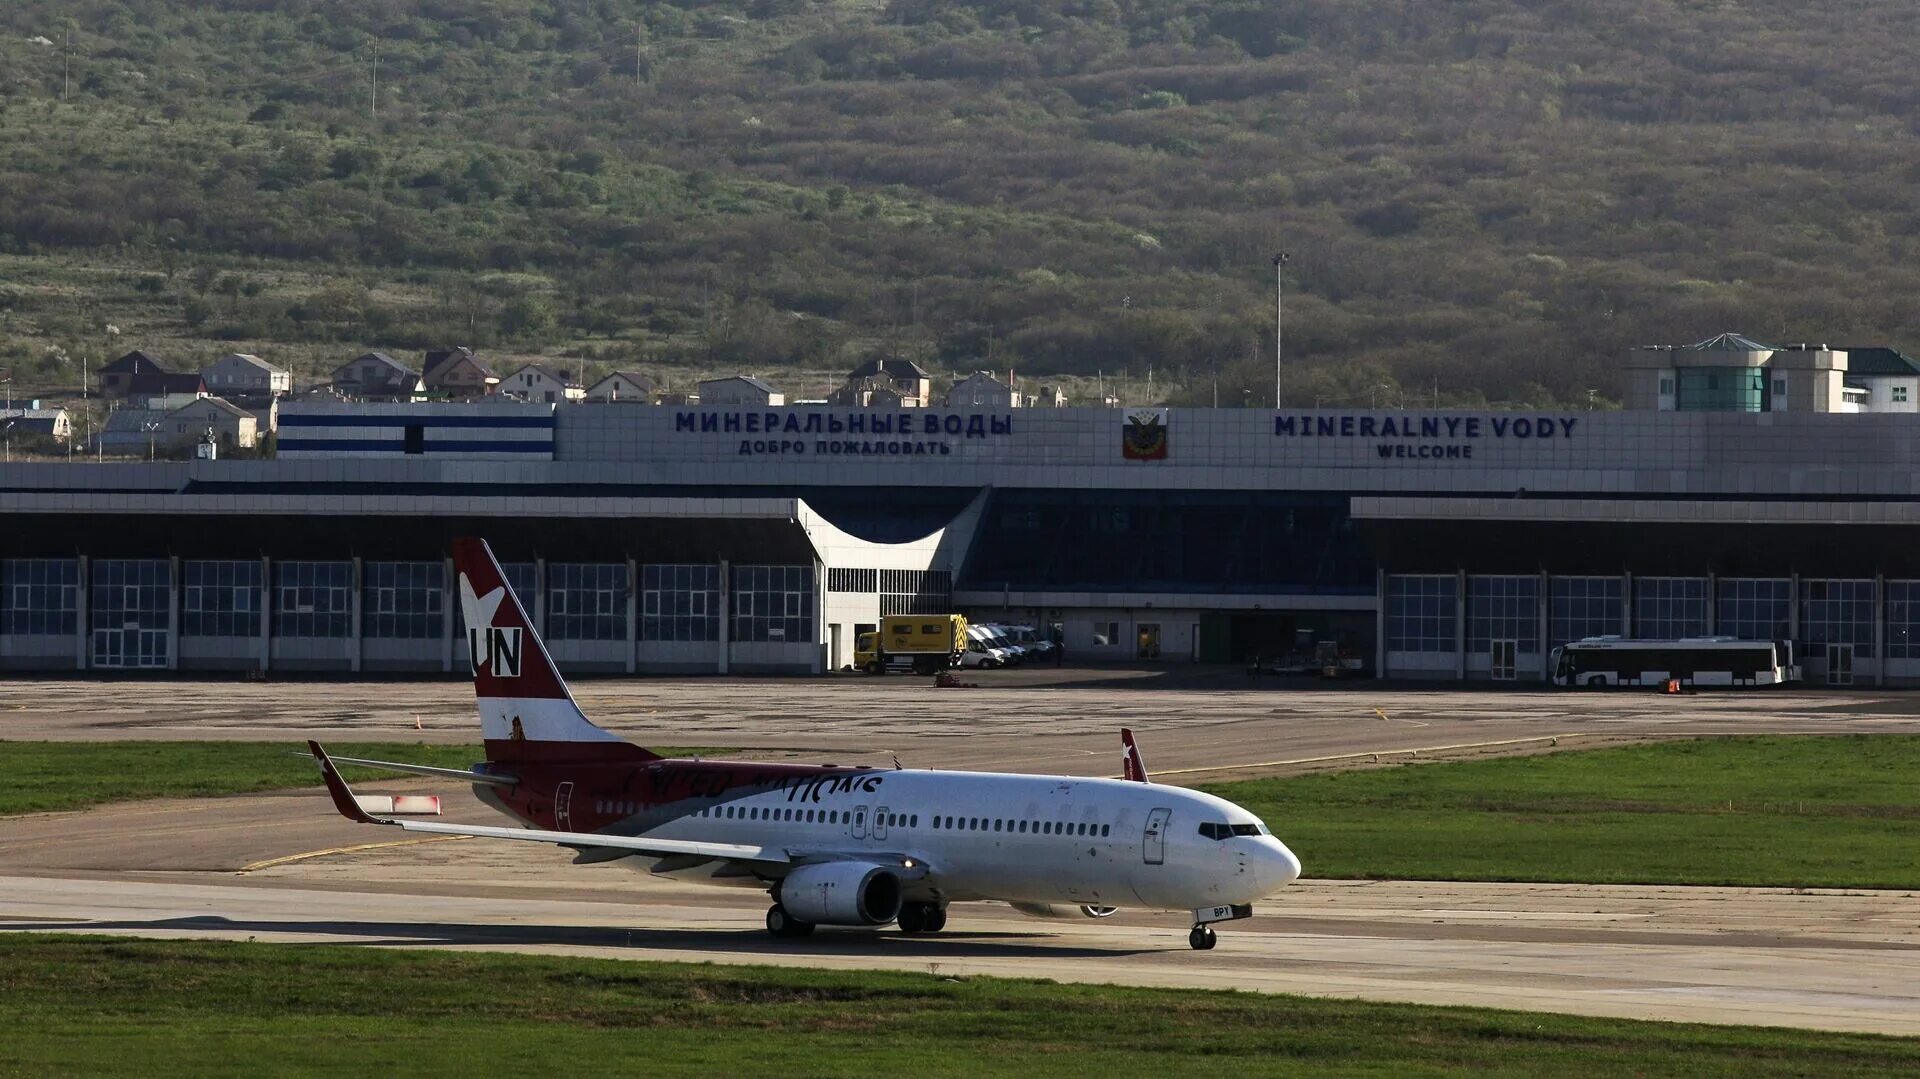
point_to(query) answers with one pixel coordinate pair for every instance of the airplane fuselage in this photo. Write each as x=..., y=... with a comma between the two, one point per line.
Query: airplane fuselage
x=958, y=835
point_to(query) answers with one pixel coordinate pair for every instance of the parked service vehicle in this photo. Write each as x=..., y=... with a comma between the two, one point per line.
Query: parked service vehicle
x=980, y=651
x=1011, y=651
x=929, y=642
x=1597, y=662
x=1033, y=642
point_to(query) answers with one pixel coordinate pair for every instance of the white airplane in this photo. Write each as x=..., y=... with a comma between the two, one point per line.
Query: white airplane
x=832, y=845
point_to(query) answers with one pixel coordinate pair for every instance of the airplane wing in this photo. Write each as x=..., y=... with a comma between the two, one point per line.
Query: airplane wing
x=344, y=801
x=430, y=770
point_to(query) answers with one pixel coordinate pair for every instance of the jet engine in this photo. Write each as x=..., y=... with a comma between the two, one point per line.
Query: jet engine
x=1063, y=910
x=842, y=893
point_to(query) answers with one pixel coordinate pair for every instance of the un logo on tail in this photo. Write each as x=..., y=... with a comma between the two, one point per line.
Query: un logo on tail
x=496, y=648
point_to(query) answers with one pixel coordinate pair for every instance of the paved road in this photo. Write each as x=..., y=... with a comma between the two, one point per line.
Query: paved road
x=1838, y=960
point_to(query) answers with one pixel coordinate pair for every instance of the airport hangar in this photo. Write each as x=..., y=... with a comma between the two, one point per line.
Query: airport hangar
x=1452, y=545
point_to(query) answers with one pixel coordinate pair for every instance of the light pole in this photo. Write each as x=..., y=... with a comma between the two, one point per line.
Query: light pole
x=150, y=427
x=1279, y=321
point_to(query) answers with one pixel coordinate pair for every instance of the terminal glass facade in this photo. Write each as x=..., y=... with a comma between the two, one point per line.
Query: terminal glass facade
x=1753, y=608
x=1721, y=389
x=129, y=605
x=1666, y=608
x=1584, y=607
x=1837, y=612
x=312, y=599
x=1421, y=611
x=40, y=596
x=1903, y=619
x=773, y=603
x=404, y=600
x=680, y=603
x=220, y=599
x=587, y=601
x=1168, y=541
x=1503, y=609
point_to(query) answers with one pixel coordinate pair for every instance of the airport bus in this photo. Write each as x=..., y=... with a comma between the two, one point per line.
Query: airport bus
x=1692, y=661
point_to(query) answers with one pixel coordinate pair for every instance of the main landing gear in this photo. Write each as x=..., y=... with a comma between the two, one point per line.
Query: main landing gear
x=782, y=924
x=919, y=918
x=1202, y=938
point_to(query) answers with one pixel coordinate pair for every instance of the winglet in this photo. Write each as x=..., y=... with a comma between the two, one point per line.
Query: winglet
x=343, y=799
x=1132, y=766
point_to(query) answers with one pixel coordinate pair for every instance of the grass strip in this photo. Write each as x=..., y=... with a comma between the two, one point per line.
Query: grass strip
x=38, y=777
x=1835, y=811
x=75, y=1005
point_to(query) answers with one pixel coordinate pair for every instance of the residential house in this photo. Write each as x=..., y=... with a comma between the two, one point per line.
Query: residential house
x=457, y=374
x=239, y=374
x=540, y=384
x=624, y=386
x=232, y=426
x=1880, y=379
x=739, y=390
x=982, y=390
x=138, y=374
x=906, y=378
x=376, y=376
x=51, y=423
x=134, y=432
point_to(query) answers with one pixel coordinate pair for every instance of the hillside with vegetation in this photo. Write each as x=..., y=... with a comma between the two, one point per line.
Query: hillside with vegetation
x=1483, y=201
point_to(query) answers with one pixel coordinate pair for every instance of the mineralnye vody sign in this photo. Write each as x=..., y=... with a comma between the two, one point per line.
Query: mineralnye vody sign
x=845, y=434
x=1426, y=438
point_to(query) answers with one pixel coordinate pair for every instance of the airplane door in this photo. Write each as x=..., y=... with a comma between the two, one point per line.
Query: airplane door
x=880, y=822
x=1154, y=846
x=859, y=822
x=563, y=807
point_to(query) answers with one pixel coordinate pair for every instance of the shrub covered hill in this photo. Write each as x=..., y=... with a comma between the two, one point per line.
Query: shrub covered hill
x=1484, y=199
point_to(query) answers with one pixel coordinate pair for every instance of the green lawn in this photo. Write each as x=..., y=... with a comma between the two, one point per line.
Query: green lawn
x=41, y=776
x=1830, y=812
x=36, y=777
x=91, y=1006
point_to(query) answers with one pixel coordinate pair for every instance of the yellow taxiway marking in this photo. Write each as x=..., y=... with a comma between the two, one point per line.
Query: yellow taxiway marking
x=283, y=860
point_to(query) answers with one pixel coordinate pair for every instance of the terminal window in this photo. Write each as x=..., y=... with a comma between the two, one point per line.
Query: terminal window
x=1903, y=619
x=221, y=599
x=1582, y=607
x=1838, y=612
x=404, y=600
x=1503, y=609
x=313, y=598
x=1420, y=612
x=587, y=601
x=680, y=602
x=130, y=602
x=773, y=603
x=1753, y=608
x=1666, y=608
x=39, y=595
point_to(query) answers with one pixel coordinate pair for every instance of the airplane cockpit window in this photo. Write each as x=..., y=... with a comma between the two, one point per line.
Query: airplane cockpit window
x=1210, y=830
x=1246, y=829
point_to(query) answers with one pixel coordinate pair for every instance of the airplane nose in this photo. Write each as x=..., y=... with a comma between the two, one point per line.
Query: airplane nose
x=1282, y=863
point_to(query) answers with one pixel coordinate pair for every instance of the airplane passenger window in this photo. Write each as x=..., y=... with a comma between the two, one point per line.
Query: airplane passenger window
x=913, y=821
x=1105, y=828
x=996, y=824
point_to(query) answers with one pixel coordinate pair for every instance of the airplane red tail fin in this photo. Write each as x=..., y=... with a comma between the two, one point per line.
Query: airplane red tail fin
x=1132, y=766
x=526, y=711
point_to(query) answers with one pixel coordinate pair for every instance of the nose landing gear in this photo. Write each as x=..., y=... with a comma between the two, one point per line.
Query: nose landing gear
x=1202, y=938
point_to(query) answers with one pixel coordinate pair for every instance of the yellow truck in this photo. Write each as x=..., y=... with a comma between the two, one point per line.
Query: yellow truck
x=924, y=642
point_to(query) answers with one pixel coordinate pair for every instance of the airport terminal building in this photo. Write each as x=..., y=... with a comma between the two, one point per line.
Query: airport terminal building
x=1451, y=545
